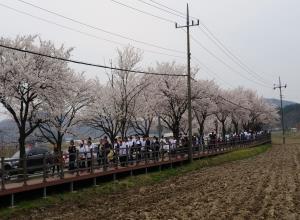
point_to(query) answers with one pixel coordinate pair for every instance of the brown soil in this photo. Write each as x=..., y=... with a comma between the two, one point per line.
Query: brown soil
x=263, y=187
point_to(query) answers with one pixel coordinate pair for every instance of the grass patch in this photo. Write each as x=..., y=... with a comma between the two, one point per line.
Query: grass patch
x=129, y=182
x=291, y=137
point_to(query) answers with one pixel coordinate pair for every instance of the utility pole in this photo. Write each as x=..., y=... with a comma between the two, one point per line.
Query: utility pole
x=187, y=26
x=280, y=86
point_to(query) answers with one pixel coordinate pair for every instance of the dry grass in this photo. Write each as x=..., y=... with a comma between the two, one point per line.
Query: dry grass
x=291, y=138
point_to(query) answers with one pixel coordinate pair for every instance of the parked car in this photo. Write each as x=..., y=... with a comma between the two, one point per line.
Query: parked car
x=34, y=161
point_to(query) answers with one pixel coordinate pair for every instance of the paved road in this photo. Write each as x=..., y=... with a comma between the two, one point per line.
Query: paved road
x=263, y=187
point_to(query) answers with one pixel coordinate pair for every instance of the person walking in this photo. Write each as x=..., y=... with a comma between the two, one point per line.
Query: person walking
x=123, y=151
x=72, y=155
x=156, y=148
x=56, y=160
x=82, y=155
x=89, y=151
x=107, y=147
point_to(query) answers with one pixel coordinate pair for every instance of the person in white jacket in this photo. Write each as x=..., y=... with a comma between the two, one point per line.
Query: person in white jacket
x=89, y=149
x=82, y=155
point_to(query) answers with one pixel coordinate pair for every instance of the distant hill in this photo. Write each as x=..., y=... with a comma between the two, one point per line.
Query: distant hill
x=9, y=132
x=291, y=112
x=276, y=102
x=292, y=115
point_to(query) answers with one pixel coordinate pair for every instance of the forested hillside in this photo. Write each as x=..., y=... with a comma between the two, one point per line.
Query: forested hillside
x=292, y=115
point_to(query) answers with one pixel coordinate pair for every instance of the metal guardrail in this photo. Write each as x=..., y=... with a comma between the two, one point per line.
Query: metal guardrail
x=50, y=168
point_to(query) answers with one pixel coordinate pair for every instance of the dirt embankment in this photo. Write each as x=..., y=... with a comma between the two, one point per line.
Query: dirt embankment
x=263, y=187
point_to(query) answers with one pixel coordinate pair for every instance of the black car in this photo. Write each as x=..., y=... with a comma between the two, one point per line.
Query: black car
x=34, y=161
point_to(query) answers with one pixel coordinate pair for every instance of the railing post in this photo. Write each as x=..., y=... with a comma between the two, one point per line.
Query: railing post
x=3, y=174
x=92, y=161
x=44, y=168
x=77, y=163
x=198, y=149
x=95, y=181
x=116, y=159
x=105, y=161
x=12, y=200
x=161, y=148
x=146, y=154
x=45, y=192
x=24, y=165
x=61, y=165
x=127, y=156
x=169, y=152
x=71, y=187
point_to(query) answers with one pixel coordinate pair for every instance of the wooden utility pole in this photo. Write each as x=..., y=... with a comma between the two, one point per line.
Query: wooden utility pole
x=187, y=26
x=280, y=86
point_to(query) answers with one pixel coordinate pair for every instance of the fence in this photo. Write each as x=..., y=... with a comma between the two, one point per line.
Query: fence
x=40, y=171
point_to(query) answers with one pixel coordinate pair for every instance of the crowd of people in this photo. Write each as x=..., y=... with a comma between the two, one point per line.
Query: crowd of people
x=135, y=148
x=131, y=150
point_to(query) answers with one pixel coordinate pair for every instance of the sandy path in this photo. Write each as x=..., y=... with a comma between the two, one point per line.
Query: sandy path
x=263, y=187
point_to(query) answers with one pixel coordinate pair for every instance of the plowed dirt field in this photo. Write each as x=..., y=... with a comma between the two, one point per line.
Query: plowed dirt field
x=263, y=187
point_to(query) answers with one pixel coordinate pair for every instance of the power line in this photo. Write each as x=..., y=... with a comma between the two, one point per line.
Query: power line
x=100, y=29
x=231, y=102
x=229, y=54
x=87, y=64
x=144, y=12
x=84, y=33
x=249, y=79
x=180, y=14
x=217, y=42
x=211, y=71
x=177, y=14
x=224, y=63
x=161, y=9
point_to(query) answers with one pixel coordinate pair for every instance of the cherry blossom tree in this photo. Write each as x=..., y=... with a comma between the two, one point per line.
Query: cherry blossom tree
x=170, y=93
x=144, y=114
x=260, y=112
x=28, y=82
x=203, y=106
x=66, y=113
x=127, y=85
x=104, y=114
x=223, y=110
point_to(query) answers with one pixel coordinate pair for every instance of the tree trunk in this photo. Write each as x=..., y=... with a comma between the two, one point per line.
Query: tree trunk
x=223, y=130
x=236, y=127
x=176, y=130
x=201, y=128
x=59, y=141
x=123, y=129
x=22, y=138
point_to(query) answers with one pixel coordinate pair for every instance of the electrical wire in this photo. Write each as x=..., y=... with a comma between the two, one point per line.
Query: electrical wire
x=100, y=29
x=229, y=54
x=224, y=63
x=118, y=34
x=144, y=12
x=201, y=64
x=216, y=41
x=161, y=9
x=85, y=33
x=87, y=64
x=207, y=50
x=233, y=103
x=180, y=14
x=106, y=67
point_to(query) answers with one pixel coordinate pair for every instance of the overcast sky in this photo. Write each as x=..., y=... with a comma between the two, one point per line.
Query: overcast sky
x=264, y=34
